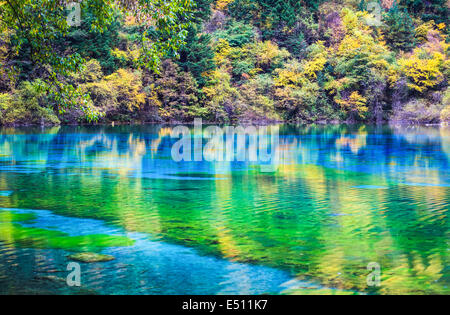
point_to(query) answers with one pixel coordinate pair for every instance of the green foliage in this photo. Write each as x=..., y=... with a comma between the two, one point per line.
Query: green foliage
x=252, y=60
x=93, y=44
x=289, y=23
x=398, y=29
x=176, y=94
x=117, y=94
x=257, y=105
x=91, y=72
x=38, y=25
x=236, y=34
x=202, y=10
x=436, y=10
x=222, y=103
x=25, y=106
x=197, y=57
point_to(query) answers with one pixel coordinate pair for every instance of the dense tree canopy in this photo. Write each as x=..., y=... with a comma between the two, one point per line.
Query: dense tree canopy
x=38, y=25
x=224, y=61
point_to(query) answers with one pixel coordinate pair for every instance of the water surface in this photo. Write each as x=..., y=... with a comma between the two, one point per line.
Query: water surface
x=340, y=197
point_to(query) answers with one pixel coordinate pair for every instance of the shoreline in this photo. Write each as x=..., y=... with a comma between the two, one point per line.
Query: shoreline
x=246, y=123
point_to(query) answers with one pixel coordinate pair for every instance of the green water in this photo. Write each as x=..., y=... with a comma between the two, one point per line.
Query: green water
x=340, y=198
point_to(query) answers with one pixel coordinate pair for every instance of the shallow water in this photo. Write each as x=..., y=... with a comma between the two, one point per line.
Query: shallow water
x=339, y=198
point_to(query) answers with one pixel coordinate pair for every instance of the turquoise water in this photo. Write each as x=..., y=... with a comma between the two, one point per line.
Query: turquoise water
x=339, y=198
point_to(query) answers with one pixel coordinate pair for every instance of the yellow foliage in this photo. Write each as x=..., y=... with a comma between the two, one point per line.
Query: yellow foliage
x=422, y=70
x=428, y=65
x=222, y=4
x=393, y=76
x=130, y=55
x=350, y=20
x=290, y=75
x=318, y=59
x=128, y=84
x=295, y=74
x=355, y=103
x=221, y=78
x=268, y=52
x=219, y=94
x=222, y=51
x=423, y=29
x=119, y=54
x=445, y=114
x=122, y=88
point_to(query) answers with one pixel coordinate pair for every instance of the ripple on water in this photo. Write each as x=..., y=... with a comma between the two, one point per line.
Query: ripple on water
x=370, y=187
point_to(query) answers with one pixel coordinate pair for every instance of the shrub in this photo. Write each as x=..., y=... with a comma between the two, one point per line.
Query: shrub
x=419, y=111
x=27, y=106
x=354, y=104
x=176, y=93
x=222, y=104
x=118, y=94
x=91, y=72
x=257, y=101
x=423, y=70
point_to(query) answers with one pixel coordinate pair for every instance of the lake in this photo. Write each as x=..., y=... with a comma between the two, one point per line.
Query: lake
x=339, y=199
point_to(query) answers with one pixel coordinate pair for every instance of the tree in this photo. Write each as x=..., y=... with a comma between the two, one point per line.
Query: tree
x=287, y=22
x=436, y=10
x=92, y=44
x=398, y=29
x=176, y=92
x=37, y=24
x=197, y=56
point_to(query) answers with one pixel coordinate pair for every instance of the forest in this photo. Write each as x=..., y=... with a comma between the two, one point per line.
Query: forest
x=225, y=61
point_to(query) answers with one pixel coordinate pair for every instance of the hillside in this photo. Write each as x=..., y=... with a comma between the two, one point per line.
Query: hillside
x=235, y=61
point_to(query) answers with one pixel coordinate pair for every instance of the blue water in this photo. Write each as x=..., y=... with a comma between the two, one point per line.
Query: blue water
x=148, y=266
x=339, y=198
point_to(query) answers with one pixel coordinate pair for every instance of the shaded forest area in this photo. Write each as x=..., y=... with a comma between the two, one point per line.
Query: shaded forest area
x=231, y=61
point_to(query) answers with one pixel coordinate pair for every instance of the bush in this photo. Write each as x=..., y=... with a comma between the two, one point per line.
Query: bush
x=258, y=104
x=118, y=95
x=222, y=104
x=176, y=93
x=445, y=114
x=419, y=112
x=91, y=72
x=27, y=106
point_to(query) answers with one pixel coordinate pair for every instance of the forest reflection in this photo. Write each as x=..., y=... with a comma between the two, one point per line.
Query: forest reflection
x=341, y=197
